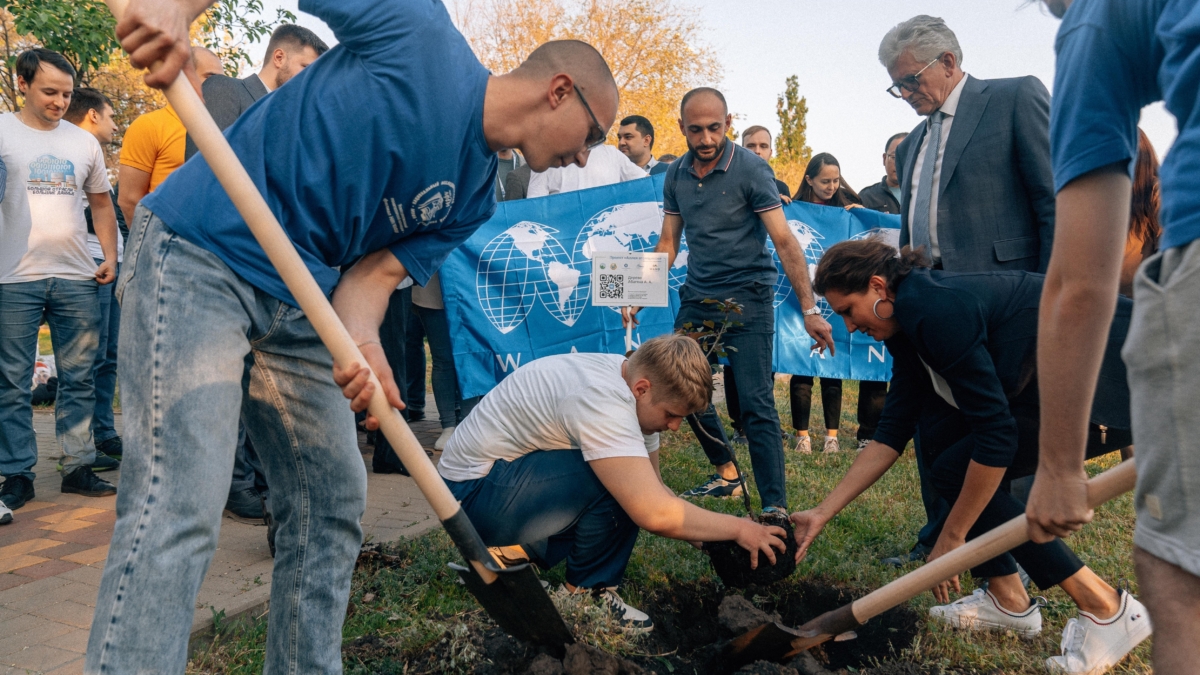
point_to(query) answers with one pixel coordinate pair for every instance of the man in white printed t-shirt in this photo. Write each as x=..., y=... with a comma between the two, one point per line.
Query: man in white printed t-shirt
x=560, y=462
x=46, y=270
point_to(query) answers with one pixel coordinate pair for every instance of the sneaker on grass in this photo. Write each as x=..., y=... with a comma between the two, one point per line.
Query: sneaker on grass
x=831, y=445
x=804, y=444
x=981, y=611
x=716, y=486
x=630, y=618
x=83, y=481
x=1091, y=645
x=862, y=444
x=15, y=491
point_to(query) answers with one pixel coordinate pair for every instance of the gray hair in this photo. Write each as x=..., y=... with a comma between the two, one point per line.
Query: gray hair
x=926, y=37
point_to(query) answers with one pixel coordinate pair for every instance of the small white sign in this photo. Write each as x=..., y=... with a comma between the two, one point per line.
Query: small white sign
x=637, y=279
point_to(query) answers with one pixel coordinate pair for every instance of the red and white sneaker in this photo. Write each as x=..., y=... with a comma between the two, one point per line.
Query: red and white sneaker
x=1091, y=645
x=981, y=611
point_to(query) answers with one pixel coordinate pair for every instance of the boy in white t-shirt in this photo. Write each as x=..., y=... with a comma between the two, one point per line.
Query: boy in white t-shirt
x=560, y=462
x=47, y=271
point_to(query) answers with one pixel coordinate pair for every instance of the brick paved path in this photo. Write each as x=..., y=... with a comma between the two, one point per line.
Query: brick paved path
x=52, y=554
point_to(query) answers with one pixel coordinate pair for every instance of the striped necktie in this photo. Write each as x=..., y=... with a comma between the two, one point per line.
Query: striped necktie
x=920, y=220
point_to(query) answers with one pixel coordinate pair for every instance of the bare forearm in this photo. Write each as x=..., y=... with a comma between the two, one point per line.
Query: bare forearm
x=978, y=487
x=868, y=468
x=669, y=238
x=1076, y=311
x=361, y=297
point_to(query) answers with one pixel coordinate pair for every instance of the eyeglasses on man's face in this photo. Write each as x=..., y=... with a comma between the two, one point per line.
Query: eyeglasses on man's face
x=596, y=134
x=910, y=83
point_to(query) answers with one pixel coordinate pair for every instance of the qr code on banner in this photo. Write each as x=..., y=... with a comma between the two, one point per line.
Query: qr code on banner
x=612, y=286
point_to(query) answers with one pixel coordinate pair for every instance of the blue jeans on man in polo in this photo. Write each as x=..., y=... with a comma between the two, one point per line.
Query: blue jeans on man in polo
x=104, y=373
x=752, y=346
x=191, y=325
x=553, y=505
x=69, y=307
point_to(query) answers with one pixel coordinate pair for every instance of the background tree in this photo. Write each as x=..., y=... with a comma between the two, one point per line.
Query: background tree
x=81, y=30
x=791, y=145
x=655, y=48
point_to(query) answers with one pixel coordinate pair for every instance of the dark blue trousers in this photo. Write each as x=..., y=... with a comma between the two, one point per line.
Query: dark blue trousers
x=553, y=505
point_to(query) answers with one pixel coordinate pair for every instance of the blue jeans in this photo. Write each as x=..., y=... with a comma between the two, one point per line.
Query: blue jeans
x=104, y=373
x=452, y=408
x=754, y=342
x=191, y=327
x=70, y=310
x=551, y=503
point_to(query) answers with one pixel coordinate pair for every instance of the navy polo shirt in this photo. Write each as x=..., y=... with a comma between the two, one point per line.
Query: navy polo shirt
x=727, y=241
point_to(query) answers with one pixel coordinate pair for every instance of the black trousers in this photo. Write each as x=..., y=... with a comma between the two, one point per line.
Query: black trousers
x=871, y=396
x=801, y=388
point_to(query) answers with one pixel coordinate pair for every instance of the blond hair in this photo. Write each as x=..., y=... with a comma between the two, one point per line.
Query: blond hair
x=677, y=369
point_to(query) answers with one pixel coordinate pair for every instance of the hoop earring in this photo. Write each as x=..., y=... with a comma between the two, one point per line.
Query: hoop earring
x=875, y=310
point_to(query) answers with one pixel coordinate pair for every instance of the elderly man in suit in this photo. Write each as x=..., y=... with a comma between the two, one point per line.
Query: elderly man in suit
x=976, y=188
x=290, y=50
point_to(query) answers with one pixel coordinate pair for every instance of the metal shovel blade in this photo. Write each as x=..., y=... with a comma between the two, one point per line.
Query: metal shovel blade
x=776, y=642
x=517, y=603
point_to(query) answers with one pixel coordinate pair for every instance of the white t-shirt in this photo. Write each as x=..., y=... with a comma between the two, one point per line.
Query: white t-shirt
x=606, y=165
x=564, y=402
x=42, y=230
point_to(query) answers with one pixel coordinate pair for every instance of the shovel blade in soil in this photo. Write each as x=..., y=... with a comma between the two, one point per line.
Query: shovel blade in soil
x=518, y=604
x=776, y=642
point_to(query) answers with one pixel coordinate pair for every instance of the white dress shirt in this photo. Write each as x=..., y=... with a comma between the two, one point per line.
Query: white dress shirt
x=948, y=109
x=606, y=165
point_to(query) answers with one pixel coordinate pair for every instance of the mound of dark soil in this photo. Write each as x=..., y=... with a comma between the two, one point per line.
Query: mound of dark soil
x=732, y=562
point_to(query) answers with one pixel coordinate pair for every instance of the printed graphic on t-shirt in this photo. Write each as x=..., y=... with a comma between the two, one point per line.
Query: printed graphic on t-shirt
x=432, y=206
x=49, y=175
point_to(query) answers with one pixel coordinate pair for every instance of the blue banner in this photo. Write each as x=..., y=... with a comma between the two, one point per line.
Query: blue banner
x=520, y=287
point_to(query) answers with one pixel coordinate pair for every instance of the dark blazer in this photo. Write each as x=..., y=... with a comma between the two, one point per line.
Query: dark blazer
x=226, y=99
x=979, y=332
x=516, y=184
x=878, y=197
x=995, y=208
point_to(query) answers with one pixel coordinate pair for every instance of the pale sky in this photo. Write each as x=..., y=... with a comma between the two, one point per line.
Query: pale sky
x=832, y=47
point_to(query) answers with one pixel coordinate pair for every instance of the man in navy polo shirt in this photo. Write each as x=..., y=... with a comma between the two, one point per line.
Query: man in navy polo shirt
x=724, y=198
x=1114, y=58
x=210, y=331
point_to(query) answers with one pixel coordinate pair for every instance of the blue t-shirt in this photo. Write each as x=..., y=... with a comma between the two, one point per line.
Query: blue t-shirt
x=378, y=144
x=1114, y=58
x=727, y=241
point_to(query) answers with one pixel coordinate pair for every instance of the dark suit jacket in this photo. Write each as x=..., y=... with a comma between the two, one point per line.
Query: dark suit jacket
x=979, y=332
x=226, y=99
x=995, y=208
x=878, y=197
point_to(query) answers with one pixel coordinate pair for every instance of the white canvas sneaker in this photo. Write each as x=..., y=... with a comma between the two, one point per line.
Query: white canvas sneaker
x=1091, y=645
x=804, y=445
x=629, y=617
x=440, y=443
x=981, y=611
x=831, y=445
x=6, y=515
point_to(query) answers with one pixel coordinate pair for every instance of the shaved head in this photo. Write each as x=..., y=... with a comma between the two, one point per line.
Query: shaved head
x=207, y=63
x=700, y=93
x=578, y=59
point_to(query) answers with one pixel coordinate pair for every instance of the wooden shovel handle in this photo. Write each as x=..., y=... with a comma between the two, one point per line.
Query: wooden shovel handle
x=1108, y=485
x=282, y=253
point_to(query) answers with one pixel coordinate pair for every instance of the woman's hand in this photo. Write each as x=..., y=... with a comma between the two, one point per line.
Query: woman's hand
x=807, y=525
x=854, y=206
x=945, y=544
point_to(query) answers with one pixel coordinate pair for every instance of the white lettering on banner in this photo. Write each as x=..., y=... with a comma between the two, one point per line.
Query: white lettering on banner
x=874, y=352
x=814, y=352
x=509, y=362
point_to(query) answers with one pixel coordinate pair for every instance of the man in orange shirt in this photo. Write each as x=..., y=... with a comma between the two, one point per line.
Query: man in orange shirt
x=153, y=146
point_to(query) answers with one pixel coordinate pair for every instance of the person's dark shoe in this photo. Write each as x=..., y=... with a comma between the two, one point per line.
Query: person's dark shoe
x=918, y=554
x=415, y=415
x=246, y=503
x=15, y=491
x=716, y=486
x=104, y=462
x=112, y=447
x=740, y=438
x=83, y=481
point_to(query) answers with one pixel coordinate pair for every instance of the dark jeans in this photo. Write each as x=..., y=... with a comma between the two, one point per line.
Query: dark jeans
x=452, y=408
x=414, y=357
x=871, y=396
x=801, y=387
x=755, y=389
x=949, y=445
x=104, y=373
x=392, y=338
x=731, y=399
x=551, y=503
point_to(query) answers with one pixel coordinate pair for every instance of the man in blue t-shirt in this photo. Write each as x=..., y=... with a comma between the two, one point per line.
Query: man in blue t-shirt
x=210, y=330
x=1114, y=58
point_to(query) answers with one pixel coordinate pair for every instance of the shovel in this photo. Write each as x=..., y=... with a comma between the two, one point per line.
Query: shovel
x=775, y=642
x=512, y=596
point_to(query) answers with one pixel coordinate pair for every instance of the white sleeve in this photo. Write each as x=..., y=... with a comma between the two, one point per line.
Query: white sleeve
x=603, y=424
x=97, y=178
x=538, y=186
x=629, y=170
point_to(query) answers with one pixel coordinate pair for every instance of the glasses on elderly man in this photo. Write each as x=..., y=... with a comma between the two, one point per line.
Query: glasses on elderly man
x=597, y=134
x=910, y=83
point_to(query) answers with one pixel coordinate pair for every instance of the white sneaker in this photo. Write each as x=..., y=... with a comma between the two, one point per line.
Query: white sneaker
x=831, y=445
x=804, y=445
x=981, y=611
x=630, y=618
x=6, y=515
x=1091, y=645
x=440, y=443
x=862, y=445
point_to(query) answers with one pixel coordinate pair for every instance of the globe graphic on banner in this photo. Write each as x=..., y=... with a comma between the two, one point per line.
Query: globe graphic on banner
x=521, y=265
x=808, y=239
x=624, y=228
x=888, y=235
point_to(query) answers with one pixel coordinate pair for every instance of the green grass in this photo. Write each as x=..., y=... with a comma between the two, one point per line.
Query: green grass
x=415, y=607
